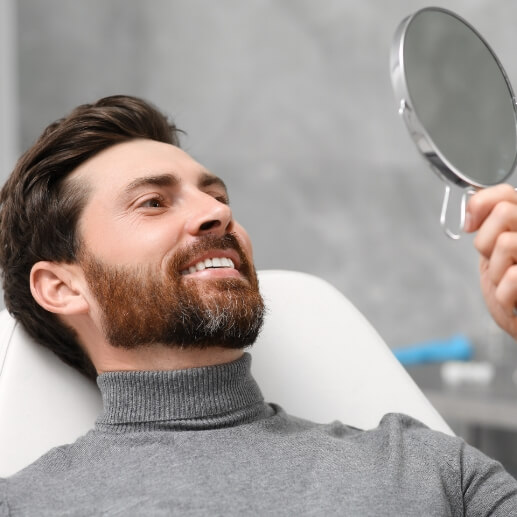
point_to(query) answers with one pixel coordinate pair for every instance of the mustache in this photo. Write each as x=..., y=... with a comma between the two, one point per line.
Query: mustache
x=207, y=243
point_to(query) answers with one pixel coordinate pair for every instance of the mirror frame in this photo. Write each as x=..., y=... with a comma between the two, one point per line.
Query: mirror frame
x=439, y=163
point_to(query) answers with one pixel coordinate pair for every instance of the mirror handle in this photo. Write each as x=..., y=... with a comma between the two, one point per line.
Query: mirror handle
x=463, y=211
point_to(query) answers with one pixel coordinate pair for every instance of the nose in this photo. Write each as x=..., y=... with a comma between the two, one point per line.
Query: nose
x=209, y=216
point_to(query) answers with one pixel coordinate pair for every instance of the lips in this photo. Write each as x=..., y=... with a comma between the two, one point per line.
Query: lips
x=213, y=257
x=211, y=252
x=210, y=263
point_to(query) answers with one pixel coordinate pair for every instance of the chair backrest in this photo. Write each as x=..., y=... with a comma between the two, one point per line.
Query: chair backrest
x=317, y=356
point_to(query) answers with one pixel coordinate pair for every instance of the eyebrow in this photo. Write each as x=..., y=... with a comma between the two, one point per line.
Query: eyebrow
x=206, y=179
x=160, y=180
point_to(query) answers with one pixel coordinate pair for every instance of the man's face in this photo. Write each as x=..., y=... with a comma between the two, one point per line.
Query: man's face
x=164, y=260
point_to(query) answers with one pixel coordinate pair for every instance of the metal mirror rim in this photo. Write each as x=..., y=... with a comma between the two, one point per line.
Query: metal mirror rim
x=418, y=132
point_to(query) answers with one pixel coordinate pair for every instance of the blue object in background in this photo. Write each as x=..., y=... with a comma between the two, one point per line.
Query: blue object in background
x=455, y=348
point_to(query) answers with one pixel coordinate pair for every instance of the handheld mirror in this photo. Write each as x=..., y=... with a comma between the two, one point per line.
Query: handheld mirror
x=456, y=101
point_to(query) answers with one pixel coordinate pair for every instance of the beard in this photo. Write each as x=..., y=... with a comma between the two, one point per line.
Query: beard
x=141, y=306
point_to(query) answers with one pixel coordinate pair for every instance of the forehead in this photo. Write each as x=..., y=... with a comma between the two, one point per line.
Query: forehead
x=121, y=165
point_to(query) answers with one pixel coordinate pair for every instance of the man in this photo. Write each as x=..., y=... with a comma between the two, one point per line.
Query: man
x=120, y=253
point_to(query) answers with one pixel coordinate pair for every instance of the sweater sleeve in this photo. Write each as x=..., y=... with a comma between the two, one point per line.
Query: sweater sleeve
x=4, y=509
x=487, y=488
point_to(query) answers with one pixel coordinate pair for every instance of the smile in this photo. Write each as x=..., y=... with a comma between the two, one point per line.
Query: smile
x=210, y=263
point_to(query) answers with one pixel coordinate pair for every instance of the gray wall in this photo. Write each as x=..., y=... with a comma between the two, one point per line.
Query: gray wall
x=9, y=120
x=291, y=103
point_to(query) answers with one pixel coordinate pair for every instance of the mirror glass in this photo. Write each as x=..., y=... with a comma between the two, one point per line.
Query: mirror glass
x=455, y=98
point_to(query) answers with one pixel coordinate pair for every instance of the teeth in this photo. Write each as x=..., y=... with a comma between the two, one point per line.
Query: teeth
x=210, y=263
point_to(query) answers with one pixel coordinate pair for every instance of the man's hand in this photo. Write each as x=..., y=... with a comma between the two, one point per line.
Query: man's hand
x=493, y=213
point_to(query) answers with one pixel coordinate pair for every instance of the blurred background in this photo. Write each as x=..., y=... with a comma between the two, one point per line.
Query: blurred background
x=291, y=103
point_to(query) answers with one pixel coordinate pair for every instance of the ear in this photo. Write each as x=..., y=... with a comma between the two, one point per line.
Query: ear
x=57, y=288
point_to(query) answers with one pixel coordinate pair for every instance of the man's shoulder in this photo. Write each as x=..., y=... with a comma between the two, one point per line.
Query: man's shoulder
x=418, y=444
x=54, y=460
x=391, y=423
x=406, y=432
x=57, y=460
x=411, y=428
x=395, y=434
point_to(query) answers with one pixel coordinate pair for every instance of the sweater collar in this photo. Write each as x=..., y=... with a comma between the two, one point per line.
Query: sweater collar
x=196, y=398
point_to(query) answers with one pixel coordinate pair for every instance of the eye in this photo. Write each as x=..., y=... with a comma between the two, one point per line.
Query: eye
x=154, y=202
x=223, y=199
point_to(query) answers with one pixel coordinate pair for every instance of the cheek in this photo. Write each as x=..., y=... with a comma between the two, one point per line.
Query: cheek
x=124, y=242
x=245, y=240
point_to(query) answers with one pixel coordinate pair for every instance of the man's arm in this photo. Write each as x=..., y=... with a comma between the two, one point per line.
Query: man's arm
x=4, y=510
x=487, y=488
x=492, y=212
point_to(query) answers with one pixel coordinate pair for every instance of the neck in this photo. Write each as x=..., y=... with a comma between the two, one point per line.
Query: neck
x=160, y=357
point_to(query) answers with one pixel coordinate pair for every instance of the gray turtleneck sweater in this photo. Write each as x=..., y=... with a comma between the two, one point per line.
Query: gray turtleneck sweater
x=203, y=442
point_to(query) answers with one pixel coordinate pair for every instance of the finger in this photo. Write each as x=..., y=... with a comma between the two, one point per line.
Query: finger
x=502, y=218
x=506, y=292
x=483, y=202
x=504, y=256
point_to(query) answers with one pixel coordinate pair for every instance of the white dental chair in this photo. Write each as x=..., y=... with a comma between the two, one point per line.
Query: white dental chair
x=317, y=356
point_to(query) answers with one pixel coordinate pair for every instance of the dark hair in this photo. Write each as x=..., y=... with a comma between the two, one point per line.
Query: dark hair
x=39, y=209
